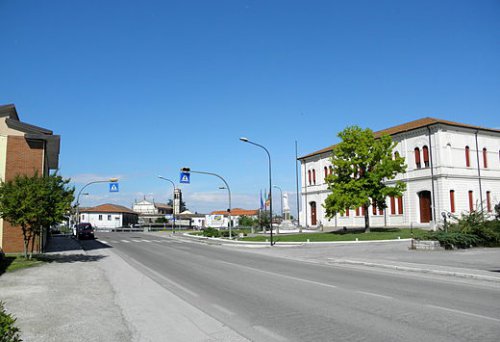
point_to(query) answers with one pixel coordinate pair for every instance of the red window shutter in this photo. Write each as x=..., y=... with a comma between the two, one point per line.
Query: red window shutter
x=331, y=169
x=485, y=158
x=452, y=201
x=425, y=151
x=374, y=207
x=347, y=212
x=314, y=177
x=309, y=176
x=417, y=158
x=363, y=211
x=393, y=205
x=467, y=156
x=381, y=212
x=400, y=205
x=326, y=171
x=488, y=201
x=471, y=201
x=357, y=211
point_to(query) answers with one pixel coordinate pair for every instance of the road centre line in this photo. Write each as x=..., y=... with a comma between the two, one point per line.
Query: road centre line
x=126, y=241
x=194, y=294
x=277, y=274
x=463, y=312
x=375, y=294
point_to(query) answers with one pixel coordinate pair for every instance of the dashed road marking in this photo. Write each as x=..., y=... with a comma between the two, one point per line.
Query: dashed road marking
x=375, y=294
x=126, y=241
x=463, y=312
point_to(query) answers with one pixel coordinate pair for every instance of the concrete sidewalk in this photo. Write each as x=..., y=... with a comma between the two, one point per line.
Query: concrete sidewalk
x=95, y=295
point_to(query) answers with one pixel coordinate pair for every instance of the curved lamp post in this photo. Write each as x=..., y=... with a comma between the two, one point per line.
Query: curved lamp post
x=281, y=193
x=111, y=180
x=228, y=191
x=270, y=184
x=173, y=202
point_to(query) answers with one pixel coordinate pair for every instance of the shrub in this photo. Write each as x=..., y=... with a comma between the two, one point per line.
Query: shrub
x=211, y=232
x=8, y=332
x=450, y=240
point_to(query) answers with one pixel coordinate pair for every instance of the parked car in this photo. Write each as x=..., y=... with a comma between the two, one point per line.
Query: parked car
x=84, y=231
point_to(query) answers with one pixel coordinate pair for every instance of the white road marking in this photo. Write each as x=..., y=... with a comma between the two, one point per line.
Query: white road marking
x=223, y=309
x=126, y=241
x=281, y=275
x=269, y=333
x=144, y=240
x=463, y=312
x=374, y=294
x=180, y=287
x=137, y=240
x=104, y=242
x=113, y=241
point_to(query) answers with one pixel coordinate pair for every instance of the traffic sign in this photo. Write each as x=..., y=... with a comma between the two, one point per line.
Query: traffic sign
x=114, y=187
x=185, y=177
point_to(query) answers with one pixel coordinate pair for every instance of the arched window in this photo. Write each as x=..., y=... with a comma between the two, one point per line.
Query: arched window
x=309, y=176
x=425, y=151
x=467, y=156
x=452, y=201
x=417, y=158
x=314, y=177
x=485, y=158
x=326, y=171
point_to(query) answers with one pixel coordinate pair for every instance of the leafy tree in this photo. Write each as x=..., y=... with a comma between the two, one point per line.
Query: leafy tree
x=246, y=221
x=362, y=164
x=35, y=203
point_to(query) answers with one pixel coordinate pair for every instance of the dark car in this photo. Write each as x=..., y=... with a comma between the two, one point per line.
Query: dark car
x=84, y=231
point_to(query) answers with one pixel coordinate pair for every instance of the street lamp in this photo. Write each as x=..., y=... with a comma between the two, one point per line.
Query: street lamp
x=281, y=192
x=173, y=202
x=270, y=183
x=110, y=180
x=185, y=169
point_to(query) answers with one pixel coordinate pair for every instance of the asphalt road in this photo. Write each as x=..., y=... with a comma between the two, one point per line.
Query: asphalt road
x=274, y=299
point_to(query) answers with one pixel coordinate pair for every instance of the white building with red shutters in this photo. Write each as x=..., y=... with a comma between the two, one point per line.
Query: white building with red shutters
x=451, y=168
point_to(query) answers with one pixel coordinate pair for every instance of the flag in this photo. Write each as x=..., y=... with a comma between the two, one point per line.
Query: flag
x=261, y=201
x=268, y=200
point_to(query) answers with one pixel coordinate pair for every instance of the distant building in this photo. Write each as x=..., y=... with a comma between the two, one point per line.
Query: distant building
x=109, y=216
x=149, y=212
x=452, y=168
x=219, y=218
x=24, y=150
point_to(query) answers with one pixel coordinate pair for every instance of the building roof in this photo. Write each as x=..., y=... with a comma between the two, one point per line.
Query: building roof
x=108, y=208
x=237, y=212
x=32, y=132
x=409, y=126
x=163, y=205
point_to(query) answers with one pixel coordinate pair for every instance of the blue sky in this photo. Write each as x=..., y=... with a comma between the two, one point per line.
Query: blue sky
x=142, y=88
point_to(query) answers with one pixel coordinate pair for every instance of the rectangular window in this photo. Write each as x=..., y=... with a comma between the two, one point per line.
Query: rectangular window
x=100, y=217
x=109, y=217
x=488, y=201
x=363, y=211
x=347, y=212
x=471, y=201
x=400, y=205
x=357, y=211
x=452, y=201
x=374, y=207
x=393, y=205
x=83, y=217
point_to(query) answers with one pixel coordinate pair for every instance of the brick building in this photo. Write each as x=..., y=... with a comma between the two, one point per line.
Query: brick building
x=24, y=149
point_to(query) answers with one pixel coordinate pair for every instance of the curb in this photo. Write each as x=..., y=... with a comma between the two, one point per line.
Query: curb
x=416, y=269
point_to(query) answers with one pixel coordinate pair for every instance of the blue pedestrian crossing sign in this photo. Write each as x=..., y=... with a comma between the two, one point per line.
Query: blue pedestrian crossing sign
x=185, y=177
x=113, y=187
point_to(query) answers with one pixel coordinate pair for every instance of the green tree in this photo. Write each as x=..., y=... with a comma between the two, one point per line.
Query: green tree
x=246, y=221
x=35, y=203
x=362, y=164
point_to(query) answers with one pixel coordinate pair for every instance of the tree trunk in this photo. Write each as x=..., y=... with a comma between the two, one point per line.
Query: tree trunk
x=26, y=241
x=367, y=219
